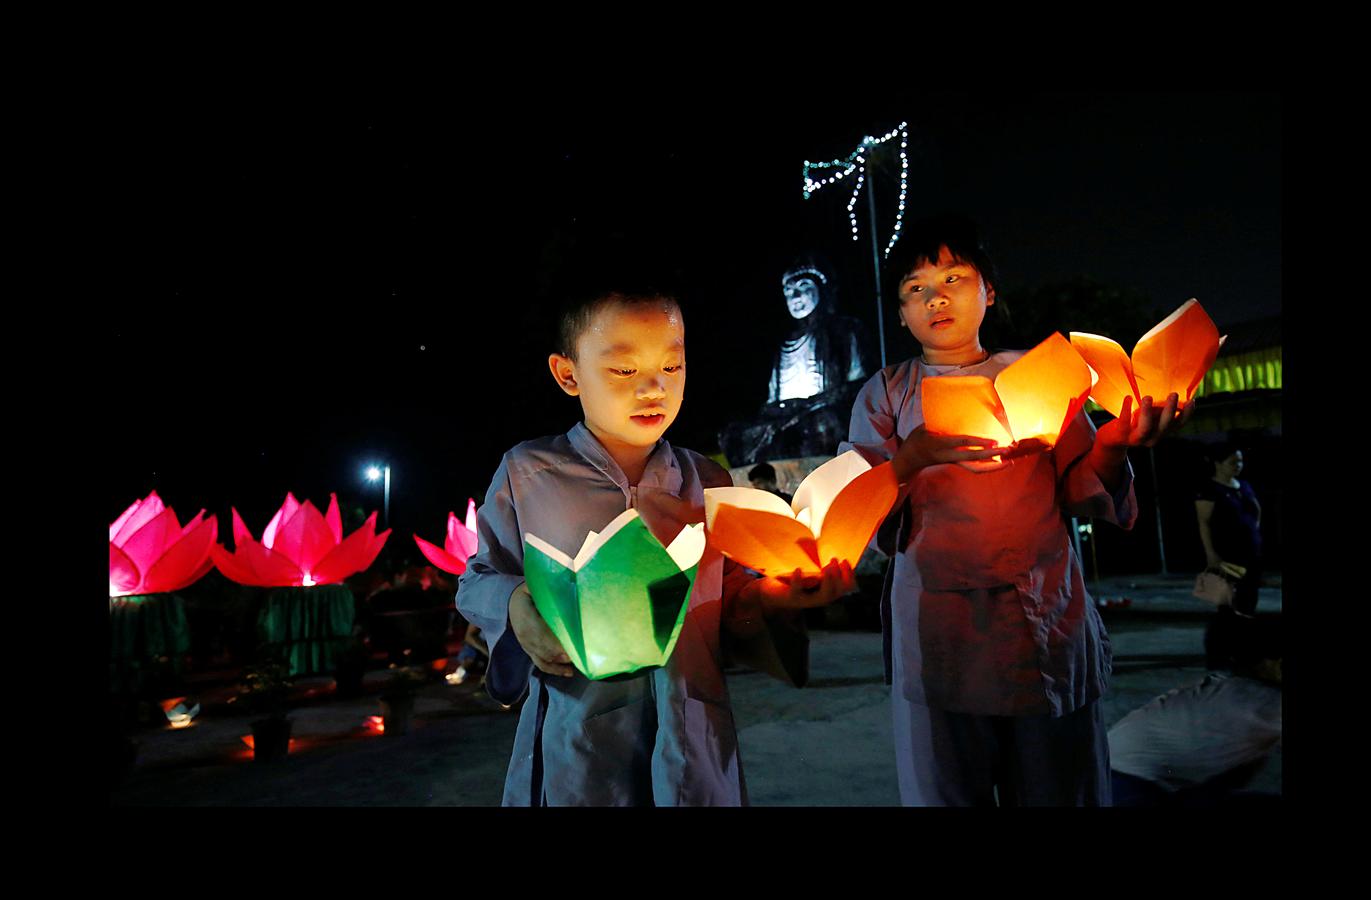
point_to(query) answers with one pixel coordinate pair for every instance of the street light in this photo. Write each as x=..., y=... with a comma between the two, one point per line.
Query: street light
x=373, y=473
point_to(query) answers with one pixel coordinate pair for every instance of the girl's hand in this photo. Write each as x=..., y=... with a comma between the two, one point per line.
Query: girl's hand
x=1143, y=427
x=923, y=448
x=797, y=591
x=535, y=637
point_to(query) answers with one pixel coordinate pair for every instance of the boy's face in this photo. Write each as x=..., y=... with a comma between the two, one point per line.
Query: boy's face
x=629, y=372
x=943, y=303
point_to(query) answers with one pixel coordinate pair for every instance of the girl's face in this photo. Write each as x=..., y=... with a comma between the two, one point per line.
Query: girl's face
x=943, y=304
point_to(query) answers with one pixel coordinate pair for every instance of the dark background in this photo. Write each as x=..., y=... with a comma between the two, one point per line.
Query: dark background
x=326, y=281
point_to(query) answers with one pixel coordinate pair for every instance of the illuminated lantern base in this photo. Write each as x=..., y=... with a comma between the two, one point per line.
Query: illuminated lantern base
x=270, y=740
x=147, y=632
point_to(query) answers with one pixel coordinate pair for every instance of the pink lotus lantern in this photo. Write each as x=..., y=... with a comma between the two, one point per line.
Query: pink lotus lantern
x=299, y=548
x=457, y=547
x=151, y=553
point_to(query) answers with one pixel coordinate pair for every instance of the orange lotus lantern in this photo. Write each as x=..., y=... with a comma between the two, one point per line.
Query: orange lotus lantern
x=299, y=548
x=1172, y=358
x=836, y=510
x=151, y=553
x=458, y=545
x=1033, y=398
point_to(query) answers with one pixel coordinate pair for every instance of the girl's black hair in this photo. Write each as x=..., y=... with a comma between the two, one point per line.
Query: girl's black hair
x=921, y=240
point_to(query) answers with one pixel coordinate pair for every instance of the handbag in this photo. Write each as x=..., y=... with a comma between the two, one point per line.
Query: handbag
x=1217, y=584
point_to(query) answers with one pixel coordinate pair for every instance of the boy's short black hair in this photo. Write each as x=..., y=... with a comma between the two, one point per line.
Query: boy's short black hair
x=602, y=276
x=920, y=241
x=761, y=471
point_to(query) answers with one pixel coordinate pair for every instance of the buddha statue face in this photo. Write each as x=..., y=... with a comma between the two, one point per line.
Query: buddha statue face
x=801, y=294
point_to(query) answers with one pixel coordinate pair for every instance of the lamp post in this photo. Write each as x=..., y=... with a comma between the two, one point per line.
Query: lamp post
x=373, y=473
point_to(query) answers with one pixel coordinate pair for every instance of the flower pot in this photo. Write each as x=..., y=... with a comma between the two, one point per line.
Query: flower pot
x=395, y=711
x=270, y=739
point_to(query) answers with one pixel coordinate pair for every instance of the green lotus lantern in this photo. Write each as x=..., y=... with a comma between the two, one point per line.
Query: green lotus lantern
x=617, y=608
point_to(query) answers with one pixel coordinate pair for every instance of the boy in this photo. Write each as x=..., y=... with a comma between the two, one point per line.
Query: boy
x=666, y=738
x=995, y=652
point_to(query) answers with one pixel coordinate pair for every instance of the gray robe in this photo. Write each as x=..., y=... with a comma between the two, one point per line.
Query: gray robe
x=664, y=739
x=985, y=611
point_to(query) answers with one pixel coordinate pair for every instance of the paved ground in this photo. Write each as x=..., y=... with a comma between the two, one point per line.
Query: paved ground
x=828, y=744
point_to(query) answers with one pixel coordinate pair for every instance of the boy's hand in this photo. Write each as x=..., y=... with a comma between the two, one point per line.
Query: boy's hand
x=798, y=591
x=535, y=637
x=923, y=448
x=1143, y=427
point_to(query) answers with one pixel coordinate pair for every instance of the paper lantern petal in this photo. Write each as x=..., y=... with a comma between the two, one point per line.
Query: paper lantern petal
x=127, y=514
x=352, y=555
x=1039, y=388
x=240, y=530
x=232, y=568
x=123, y=572
x=146, y=545
x=334, y=519
x=270, y=569
x=856, y=513
x=305, y=538
x=177, y=567
x=1175, y=355
x=765, y=542
x=148, y=509
x=471, y=515
x=1111, y=364
x=283, y=515
x=964, y=404
x=440, y=557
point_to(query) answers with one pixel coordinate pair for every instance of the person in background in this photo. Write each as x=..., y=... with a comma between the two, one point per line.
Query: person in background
x=763, y=478
x=1230, y=529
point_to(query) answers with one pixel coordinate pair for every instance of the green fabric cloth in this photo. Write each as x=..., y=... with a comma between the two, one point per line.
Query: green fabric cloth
x=309, y=625
x=1257, y=370
x=147, y=632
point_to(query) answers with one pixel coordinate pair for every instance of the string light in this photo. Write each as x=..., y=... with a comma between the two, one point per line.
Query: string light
x=856, y=162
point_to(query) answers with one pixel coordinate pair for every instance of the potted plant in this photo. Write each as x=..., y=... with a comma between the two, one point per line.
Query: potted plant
x=265, y=689
x=397, y=699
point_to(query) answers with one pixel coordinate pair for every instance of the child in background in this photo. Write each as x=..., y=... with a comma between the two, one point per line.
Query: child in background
x=666, y=738
x=994, y=650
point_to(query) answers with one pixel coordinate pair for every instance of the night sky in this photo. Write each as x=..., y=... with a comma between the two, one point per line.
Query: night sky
x=326, y=281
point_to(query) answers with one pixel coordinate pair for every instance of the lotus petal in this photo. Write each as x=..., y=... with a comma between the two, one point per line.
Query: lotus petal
x=334, y=519
x=284, y=514
x=270, y=569
x=964, y=404
x=1111, y=364
x=146, y=545
x=123, y=517
x=136, y=517
x=1175, y=355
x=304, y=538
x=440, y=557
x=232, y=567
x=349, y=556
x=123, y=572
x=179, y=565
x=240, y=531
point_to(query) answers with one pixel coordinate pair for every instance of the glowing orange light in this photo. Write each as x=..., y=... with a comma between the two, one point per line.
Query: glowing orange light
x=375, y=724
x=1172, y=358
x=1034, y=397
x=836, y=510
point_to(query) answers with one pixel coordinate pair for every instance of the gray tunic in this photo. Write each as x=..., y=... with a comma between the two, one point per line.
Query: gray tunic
x=987, y=611
x=666, y=738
